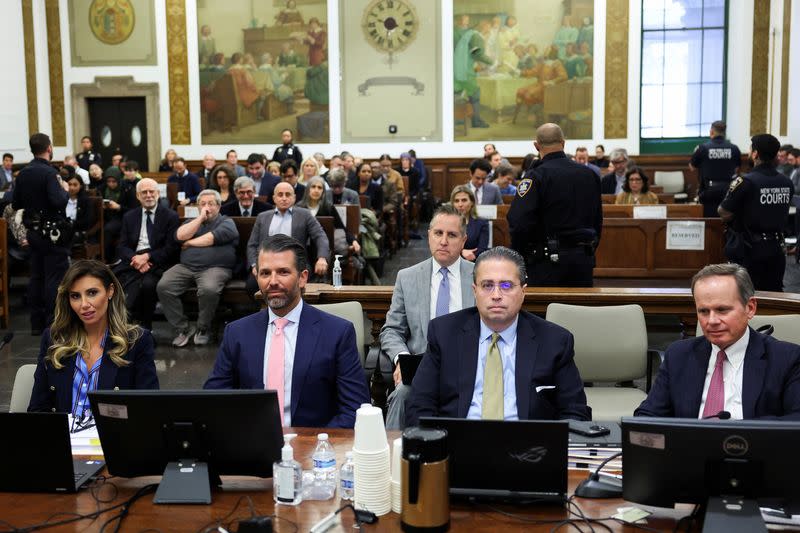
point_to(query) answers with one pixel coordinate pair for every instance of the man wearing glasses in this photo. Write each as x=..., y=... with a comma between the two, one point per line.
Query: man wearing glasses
x=613, y=181
x=247, y=206
x=494, y=361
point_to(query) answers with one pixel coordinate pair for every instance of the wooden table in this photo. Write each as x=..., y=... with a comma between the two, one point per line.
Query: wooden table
x=22, y=510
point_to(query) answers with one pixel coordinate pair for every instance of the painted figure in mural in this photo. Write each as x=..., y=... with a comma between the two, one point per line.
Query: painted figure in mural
x=565, y=35
x=289, y=15
x=506, y=41
x=282, y=91
x=317, y=41
x=469, y=52
x=206, y=47
x=246, y=88
x=550, y=72
x=586, y=34
x=288, y=57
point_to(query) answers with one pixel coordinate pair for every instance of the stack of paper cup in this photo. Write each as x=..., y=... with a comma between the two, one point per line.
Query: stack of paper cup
x=397, y=489
x=372, y=475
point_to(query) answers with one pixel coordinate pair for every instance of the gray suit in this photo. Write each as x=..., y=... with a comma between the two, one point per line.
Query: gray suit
x=304, y=226
x=349, y=196
x=491, y=194
x=406, y=326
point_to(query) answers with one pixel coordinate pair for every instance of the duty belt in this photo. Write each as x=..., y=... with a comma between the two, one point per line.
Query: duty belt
x=758, y=237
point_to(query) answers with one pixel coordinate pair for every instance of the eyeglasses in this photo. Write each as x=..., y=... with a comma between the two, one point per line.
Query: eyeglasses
x=504, y=286
x=245, y=193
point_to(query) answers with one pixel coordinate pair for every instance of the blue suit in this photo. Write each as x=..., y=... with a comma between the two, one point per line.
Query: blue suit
x=52, y=388
x=770, y=380
x=477, y=235
x=327, y=379
x=445, y=380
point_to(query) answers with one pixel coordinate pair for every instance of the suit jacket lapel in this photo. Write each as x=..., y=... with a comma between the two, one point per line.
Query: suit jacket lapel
x=298, y=225
x=696, y=377
x=468, y=363
x=307, y=337
x=259, y=340
x=755, y=368
x=527, y=350
x=467, y=296
x=424, y=286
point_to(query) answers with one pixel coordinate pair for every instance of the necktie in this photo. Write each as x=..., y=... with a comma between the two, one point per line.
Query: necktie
x=149, y=216
x=246, y=213
x=443, y=298
x=274, y=378
x=493, y=382
x=715, y=398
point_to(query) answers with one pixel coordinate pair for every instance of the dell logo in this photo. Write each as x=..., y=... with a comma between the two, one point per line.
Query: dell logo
x=735, y=445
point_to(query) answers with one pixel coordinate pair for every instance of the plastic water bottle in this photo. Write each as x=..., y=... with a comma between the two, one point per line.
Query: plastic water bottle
x=347, y=477
x=337, y=273
x=324, y=460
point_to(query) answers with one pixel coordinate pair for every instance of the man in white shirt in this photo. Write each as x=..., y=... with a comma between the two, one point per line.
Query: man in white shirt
x=485, y=193
x=732, y=371
x=420, y=293
x=70, y=161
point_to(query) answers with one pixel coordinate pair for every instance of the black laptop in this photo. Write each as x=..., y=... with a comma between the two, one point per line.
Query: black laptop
x=515, y=461
x=36, y=454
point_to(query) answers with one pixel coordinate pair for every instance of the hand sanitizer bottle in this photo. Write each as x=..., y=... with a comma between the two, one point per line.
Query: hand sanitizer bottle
x=337, y=273
x=287, y=476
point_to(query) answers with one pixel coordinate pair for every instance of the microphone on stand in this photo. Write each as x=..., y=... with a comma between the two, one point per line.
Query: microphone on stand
x=6, y=339
x=722, y=415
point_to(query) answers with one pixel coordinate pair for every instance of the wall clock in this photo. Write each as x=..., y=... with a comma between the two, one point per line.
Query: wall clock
x=389, y=26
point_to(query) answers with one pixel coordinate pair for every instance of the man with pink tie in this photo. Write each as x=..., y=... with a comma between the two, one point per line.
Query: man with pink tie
x=731, y=371
x=308, y=356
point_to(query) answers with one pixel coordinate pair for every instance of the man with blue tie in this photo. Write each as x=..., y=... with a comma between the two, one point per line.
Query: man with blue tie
x=439, y=285
x=731, y=369
x=495, y=361
x=308, y=356
x=147, y=248
x=7, y=175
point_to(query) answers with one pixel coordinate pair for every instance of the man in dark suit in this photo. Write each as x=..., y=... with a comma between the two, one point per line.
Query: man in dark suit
x=296, y=222
x=339, y=193
x=485, y=193
x=187, y=181
x=263, y=180
x=612, y=182
x=311, y=357
x=731, y=368
x=289, y=174
x=248, y=205
x=209, y=162
x=147, y=247
x=494, y=361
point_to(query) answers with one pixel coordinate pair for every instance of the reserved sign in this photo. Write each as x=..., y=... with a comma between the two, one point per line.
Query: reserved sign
x=686, y=235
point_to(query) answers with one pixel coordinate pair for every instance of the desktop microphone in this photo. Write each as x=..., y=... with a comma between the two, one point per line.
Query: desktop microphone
x=594, y=487
x=6, y=339
x=722, y=415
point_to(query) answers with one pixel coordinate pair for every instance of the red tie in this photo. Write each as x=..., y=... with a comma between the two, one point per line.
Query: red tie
x=715, y=399
x=274, y=378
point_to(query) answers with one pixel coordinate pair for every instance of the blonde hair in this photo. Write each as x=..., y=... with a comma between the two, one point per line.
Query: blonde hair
x=67, y=334
x=473, y=211
x=311, y=160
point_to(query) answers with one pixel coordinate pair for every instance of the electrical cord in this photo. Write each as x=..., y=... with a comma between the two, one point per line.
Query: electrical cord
x=211, y=526
x=126, y=506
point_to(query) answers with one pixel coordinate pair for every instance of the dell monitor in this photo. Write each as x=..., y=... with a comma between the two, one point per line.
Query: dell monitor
x=190, y=438
x=724, y=465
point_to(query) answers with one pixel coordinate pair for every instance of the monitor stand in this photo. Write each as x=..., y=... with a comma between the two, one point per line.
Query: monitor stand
x=184, y=481
x=732, y=513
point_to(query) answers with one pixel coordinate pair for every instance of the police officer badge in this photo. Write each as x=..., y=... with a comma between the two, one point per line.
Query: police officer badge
x=524, y=186
x=735, y=183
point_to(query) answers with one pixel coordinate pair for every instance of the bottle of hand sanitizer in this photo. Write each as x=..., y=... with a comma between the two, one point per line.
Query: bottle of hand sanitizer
x=287, y=476
x=337, y=273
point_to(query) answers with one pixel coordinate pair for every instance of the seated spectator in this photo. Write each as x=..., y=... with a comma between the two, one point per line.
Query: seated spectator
x=117, y=160
x=636, y=190
x=90, y=345
x=335, y=162
x=582, y=157
x=257, y=171
x=117, y=199
x=392, y=176
x=503, y=176
x=296, y=222
x=233, y=161
x=477, y=228
x=69, y=161
x=494, y=160
x=289, y=175
x=308, y=356
x=485, y=193
x=612, y=182
x=407, y=169
x=309, y=169
x=338, y=193
x=207, y=260
x=246, y=204
x=130, y=173
x=95, y=176
x=221, y=180
x=274, y=168
x=600, y=160
x=78, y=209
x=368, y=188
x=391, y=197
x=147, y=248
x=188, y=184
x=167, y=164
x=319, y=158
x=209, y=164
x=318, y=203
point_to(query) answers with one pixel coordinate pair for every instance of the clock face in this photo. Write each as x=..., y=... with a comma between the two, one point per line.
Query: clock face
x=390, y=25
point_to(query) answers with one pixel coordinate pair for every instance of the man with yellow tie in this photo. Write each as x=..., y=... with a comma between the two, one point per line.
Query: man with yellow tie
x=494, y=361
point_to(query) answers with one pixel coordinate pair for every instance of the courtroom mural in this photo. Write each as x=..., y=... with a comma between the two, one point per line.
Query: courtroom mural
x=263, y=68
x=515, y=68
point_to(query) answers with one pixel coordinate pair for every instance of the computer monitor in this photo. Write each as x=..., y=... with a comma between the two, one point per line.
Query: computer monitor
x=188, y=437
x=724, y=465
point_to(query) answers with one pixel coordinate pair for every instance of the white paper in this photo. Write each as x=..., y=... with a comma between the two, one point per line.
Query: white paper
x=489, y=212
x=686, y=235
x=650, y=211
x=162, y=190
x=191, y=211
x=181, y=196
x=342, y=210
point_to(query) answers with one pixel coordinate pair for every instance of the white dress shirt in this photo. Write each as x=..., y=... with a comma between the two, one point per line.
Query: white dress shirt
x=508, y=354
x=732, y=376
x=83, y=174
x=289, y=344
x=72, y=209
x=478, y=192
x=281, y=223
x=454, y=278
x=144, y=240
x=620, y=183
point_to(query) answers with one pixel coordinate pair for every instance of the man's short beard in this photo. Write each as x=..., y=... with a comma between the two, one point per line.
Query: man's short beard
x=278, y=302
